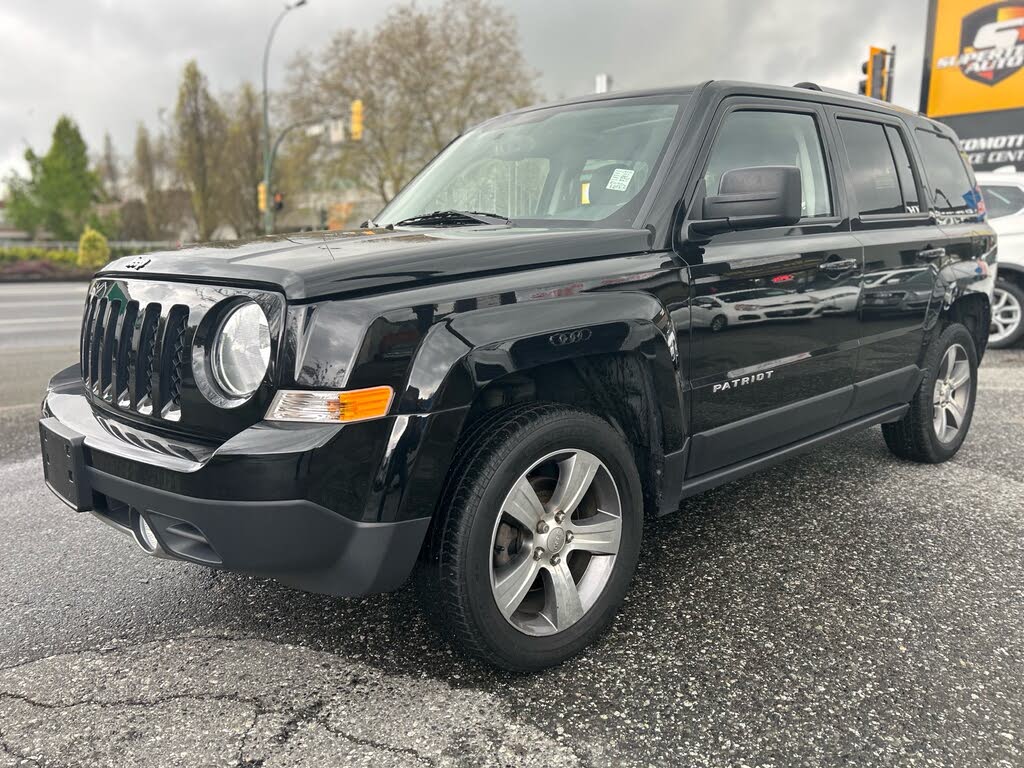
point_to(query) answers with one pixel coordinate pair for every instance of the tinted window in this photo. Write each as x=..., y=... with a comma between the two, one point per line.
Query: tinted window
x=1002, y=200
x=753, y=139
x=872, y=167
x=908, y=186
x=949, y=185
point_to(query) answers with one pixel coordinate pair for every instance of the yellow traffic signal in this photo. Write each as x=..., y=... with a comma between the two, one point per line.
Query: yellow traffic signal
x=877, y=71
x=355, y=129
x=261, y=196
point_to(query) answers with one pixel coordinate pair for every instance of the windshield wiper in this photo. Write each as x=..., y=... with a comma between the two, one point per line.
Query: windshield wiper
x=452, y=218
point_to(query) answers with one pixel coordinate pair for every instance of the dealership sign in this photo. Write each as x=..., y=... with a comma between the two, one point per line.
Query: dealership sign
x=974, y=77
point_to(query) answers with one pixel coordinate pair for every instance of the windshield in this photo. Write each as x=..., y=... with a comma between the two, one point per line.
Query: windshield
x=578, y=164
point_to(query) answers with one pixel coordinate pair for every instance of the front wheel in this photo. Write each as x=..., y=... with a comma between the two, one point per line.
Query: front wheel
x=934, y=428
x=536, y=549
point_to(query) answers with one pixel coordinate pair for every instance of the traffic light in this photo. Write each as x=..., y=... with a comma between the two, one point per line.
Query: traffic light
x=261, y=196
x=877, y=71
x=278, y=201
x=355, y=128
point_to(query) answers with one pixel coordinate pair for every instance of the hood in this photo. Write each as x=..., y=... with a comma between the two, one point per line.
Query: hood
x=367, y=261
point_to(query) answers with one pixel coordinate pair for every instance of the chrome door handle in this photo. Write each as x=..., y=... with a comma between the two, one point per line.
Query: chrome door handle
x=839, y=265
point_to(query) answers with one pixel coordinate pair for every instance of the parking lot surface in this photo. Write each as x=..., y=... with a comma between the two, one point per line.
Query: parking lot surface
x=842, y=608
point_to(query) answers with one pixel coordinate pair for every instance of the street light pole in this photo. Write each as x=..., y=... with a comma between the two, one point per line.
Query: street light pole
x=268, y=214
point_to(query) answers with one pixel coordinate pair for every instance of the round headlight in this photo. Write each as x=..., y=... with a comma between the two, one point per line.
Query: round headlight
x=241, y=351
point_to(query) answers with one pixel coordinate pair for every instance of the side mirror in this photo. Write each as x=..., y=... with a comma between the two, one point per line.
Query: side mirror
x=751, y=198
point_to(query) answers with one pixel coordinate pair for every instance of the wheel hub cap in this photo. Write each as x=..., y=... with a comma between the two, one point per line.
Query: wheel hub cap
x=556, y=540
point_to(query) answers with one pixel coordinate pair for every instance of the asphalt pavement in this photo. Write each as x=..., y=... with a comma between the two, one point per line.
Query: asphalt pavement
x=842, y=608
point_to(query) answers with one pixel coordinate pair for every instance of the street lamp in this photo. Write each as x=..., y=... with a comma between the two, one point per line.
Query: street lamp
x=268, y=215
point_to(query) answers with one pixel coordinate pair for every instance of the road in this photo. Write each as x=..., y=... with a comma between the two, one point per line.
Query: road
x=842, y=608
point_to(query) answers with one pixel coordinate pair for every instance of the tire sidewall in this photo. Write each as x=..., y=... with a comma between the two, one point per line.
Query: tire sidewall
x=954, y=334
x=566, y=432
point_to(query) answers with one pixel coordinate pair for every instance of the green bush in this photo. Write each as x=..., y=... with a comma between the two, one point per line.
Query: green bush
x=15, y=253
x=93, y=251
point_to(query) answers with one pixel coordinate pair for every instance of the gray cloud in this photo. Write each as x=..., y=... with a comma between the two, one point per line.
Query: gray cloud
x=112, y=63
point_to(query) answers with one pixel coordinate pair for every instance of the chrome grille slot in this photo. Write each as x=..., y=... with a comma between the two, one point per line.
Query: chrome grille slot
x=124, y=354
x=107, y=347
x=95, y=332
x=174, y=354
x=145, y=367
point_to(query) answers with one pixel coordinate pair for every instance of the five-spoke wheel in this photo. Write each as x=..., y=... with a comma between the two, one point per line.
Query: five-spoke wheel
x=555, y=542
x=1007, y=315
x=952, y=393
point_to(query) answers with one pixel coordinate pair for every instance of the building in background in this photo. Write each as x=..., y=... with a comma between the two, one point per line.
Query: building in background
x=974, y=77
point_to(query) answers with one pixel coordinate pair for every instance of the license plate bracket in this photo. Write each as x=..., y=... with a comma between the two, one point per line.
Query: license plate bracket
x=64, y=464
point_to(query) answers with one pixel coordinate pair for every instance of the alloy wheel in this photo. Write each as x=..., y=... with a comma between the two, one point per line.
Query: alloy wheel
x=555, y=542
x=1006, y=315
x=952, y=394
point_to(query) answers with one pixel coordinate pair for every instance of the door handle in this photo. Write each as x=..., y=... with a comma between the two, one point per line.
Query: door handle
x=929, y=254
x=838, y=265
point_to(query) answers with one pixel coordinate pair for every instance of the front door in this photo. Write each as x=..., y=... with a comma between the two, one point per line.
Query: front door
x=773, y=311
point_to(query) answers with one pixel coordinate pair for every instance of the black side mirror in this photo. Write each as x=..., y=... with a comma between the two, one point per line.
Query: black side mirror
x=751, y=198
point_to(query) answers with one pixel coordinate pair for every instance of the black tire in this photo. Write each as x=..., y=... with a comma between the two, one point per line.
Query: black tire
x=1015, y=294
x=719, y=323
x=454, y=577
x=914, y=437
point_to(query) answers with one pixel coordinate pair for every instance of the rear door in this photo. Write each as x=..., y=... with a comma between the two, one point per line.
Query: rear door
x=903, y=253
x=775, y=335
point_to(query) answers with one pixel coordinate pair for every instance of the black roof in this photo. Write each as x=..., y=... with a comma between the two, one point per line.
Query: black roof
x=803, y=92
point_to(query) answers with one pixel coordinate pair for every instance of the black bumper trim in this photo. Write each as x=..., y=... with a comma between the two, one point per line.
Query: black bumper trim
x=298, y=542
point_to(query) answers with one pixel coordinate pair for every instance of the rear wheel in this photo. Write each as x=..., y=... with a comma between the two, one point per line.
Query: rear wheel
x=934, y=428
x=1007, y=315
x=540, y=538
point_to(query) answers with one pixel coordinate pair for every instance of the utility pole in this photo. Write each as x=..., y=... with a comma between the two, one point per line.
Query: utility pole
x=268, y=214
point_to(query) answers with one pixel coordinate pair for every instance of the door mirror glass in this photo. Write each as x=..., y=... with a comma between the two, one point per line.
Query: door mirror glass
x=751, y=198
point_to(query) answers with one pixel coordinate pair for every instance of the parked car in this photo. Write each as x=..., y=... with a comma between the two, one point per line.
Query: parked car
x=496, y=381
x=1004, y=201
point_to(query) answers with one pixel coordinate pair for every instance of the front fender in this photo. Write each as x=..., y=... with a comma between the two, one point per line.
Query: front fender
x=464, y=354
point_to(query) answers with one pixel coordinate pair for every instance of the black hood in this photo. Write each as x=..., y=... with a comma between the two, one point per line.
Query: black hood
x=367, y=261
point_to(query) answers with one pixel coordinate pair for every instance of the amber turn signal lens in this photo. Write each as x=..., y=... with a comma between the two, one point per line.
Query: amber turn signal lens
x=362, y=404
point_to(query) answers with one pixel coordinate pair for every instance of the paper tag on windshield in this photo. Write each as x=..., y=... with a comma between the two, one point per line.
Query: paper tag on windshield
x=620, y=179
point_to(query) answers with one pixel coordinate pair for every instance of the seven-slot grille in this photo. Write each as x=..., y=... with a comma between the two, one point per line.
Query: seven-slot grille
x=133, y=354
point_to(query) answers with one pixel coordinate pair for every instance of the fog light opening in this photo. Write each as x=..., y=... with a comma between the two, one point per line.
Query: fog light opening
x=144, y=534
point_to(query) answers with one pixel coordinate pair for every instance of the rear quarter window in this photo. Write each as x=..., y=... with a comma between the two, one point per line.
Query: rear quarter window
x=950, y=187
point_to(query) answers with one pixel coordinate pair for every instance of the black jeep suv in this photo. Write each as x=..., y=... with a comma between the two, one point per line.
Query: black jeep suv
x=574, y=318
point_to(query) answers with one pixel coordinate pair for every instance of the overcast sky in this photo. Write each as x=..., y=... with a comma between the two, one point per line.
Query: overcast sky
x=111, y=63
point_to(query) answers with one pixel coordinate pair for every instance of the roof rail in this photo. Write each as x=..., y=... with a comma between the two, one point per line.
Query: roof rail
x=808, y=85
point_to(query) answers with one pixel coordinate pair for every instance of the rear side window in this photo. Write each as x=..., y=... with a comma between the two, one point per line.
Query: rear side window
x=1002, y=200
x=949, y=186
x=749, y=139
x=873, y=168
x=908, y=184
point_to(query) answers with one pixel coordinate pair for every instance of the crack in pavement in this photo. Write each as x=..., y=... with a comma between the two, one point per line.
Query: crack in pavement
x=172, y=701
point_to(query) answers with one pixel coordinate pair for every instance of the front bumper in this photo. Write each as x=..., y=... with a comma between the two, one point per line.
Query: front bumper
x=263, y=503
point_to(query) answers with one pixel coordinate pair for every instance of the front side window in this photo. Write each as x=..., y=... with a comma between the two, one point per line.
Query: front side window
x=949, y=185
x=1002, y=200
x=872, y=168
x=578, y=164
x=749, y=139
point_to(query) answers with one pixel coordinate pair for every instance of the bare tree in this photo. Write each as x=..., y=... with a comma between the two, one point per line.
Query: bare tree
x=242, y=167
x=199, y=140
x=109, y=169
x=424, y=77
